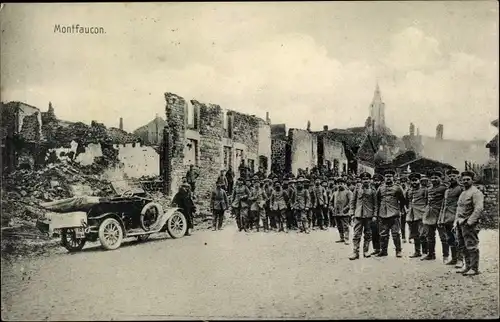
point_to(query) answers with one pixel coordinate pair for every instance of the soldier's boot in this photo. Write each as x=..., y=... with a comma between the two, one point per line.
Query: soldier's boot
x=366, y=249
x=375, y=252
x=416, y=246
x=397, y=243
x=460, y=259
x=453, y=259
x=474, y=263
x=431, y=255
x=346, y=236
x=423, y=243
x=383, y=248
x=446, y=252
x=467, y=266
x=354, y=255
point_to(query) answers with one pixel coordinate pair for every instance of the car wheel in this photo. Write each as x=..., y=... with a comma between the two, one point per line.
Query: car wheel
x=144, y=237
x=110, y=234
x=70, y=242
x=176, y=225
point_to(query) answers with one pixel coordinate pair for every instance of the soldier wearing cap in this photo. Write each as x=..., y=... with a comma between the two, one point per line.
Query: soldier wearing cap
x=329, y=192
x=341, y=205
x=390, y=202
x=268, y=189
x=183, y=199
x=469, y=210
x=319, y=204
x=222, y=180
x=448, y=212
x=301, y=205
x=240, y=203
x=416, y=197
x=218, y=205
x=278, y=204
x=403, y=182
x=363, y=211
x=309, y=188
x=424, y=181
x=326, y=212
x=435, y=201
x=289, y=189
x=377, y=181
x=257, y=200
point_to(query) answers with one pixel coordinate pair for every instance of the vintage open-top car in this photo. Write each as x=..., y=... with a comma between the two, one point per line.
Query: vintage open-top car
x=109, y=220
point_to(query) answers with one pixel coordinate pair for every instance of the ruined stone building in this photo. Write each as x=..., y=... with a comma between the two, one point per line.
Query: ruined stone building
x=377, y=110
x=152, y=133
x=213, y=139
x=21, y=130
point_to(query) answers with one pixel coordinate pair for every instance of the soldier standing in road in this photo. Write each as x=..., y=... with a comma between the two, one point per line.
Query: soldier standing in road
x=330, y=191
x=403, y=181
x=319, y=201
x=301, y=203
x=342, y=201
x=376, y=183
x=257, y=205
x=268, y=190
x=290, y=199
x=390, y=200
x=184, y=201
x=309, y=188
x=416, y=198
x=326, y=212
x=279, y=206
x=448, y=212
x=218, y=205
x=363, y=210
x=240, y=203
x=469, y=210
x=430, y=219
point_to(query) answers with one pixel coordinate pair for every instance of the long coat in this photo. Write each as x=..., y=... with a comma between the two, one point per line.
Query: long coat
x=417, y=203
x=364, y=203
x=435, y=201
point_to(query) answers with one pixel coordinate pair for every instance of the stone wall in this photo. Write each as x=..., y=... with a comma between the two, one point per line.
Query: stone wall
x=334, y=150
x=175, y=112
x=279, y=142
x=490, y=215
x=303, y=149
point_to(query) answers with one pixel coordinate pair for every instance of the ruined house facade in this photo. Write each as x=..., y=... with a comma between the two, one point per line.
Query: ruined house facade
x=301, y=149
x=212, y=139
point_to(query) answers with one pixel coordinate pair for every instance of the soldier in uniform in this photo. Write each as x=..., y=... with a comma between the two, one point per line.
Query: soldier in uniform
x=240, y=203
x=363, y=210
x=268, y=189
x=376, y=183
x=416, y=198
x=318, y=199
x=309, y=188
x=434, y=204
x=301, y=205
x=403, y=181
x=448, y=212
x=342, y=202
x=330, y=191
x=424, y=181
x=257, y=200
x=469, y=210
x=279, y=207
x=183, y=199
x=390, y=201
x=218, y=204
x=326, y=212
x=290, y=196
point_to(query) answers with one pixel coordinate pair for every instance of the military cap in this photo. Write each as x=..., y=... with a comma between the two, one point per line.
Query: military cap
x=185, y=185
x=414, y=176
x=341, y=180
x=324, y=180
x=293, y=181
x=424, y=178
x=436, y=174
x=468, y=174
x=452, y=171
x=275, y=180
x=240, y=179
x=255, y=177
x=277, y=183
x=365, y=175
x=378, y=177
x=318, y=180
x=268, y=180
x=389, y=172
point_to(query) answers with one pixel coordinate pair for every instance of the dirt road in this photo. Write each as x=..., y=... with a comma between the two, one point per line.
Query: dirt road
x=218, y=275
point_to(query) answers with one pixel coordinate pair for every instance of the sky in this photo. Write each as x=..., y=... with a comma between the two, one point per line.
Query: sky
x=435, y=62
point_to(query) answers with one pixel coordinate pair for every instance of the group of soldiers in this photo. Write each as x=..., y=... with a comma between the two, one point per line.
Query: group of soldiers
x=373, y=206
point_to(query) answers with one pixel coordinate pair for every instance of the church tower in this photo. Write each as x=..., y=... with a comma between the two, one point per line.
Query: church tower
x=377, y=110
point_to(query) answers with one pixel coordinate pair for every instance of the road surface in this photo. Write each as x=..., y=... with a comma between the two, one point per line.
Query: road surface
x=225, y=274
